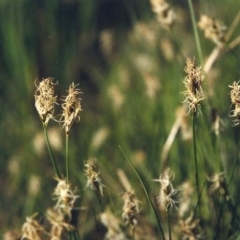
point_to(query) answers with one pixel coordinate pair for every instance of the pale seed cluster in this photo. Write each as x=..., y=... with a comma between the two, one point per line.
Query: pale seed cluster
x=167, y=192
x=114, y=230
x=213, y=29
x=130, y=208
x=32, y=229
x=45, y=99
x=164, y=13
x=65, y=197
x=235, y=100
x=193, y=83
x=71, y=107
x=92, y=174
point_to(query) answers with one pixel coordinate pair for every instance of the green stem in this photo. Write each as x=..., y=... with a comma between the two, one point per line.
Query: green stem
x=67, y=157
x=234, y=164
x=195, y=161
x=145, y=190
x=195, y=31
x=169, y=225
x=50, y=151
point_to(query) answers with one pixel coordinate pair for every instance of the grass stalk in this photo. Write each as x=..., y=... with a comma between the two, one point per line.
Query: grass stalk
x=146, y=192
x=194, y=23
x=50, y=151
x=169, y=225
x=196, y=162
x=234, y=164
x=67, y=157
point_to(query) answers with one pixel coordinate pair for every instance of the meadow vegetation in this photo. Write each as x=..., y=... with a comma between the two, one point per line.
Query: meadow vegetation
x=120, y=120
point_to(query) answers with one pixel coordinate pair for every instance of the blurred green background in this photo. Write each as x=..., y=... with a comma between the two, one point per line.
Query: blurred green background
x=130, y=71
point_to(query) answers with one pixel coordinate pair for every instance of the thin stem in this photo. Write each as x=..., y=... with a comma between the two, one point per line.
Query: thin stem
x=195, y=31
x=169, y=225
x=145, y=190
x=234, y=164
x=50, y=151
x=67, y=157
x=195, y=161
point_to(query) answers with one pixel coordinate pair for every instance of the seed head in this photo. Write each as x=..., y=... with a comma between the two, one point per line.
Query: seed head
x=65, y=196
x=92, y=173
x=45, y=99
x=235, y=99
x=167, y=192
x=130, y=208
x=32, y=229
x=71, y=107
x=165, y=14
x=193, y=83
x=213, y=29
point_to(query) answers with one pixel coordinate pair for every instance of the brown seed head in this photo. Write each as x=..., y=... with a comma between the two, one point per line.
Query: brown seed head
x=235, y=99
x=45, y=99
x=213, y=29
x=71, y=107
x=193, y=83
x=92, y=174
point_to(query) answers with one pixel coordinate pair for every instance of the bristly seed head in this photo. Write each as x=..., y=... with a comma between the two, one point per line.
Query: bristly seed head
x=71, y=107
x=92, y=174
x=235, y=100
x=130, y=208
x=167, y=192
x=45, y=99
x=193, y=83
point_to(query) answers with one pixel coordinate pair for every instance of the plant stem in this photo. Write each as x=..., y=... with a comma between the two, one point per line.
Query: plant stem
x=234, y=164
x=145, y=190
x=195, y=31
x=67, y=157
x=195, y=161
x=50, y=151
x=169, y=225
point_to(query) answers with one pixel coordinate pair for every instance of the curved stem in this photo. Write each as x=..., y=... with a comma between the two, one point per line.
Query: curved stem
x=50, y=151
x=145, y=190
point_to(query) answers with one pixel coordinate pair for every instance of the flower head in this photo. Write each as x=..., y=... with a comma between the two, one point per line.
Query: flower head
x=45, y=99
x=235, y=99
x=193, y=83
x=190, y=228
x=71, y=107
x=167, y=192
x=32, y=229
x=165, y=14
x=213, y=29
x=130, y=208
x=92, y=173
x=65, y=196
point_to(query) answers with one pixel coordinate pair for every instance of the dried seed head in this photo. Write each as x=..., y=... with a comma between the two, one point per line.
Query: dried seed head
x=58, y=224
x=213, y=29
x=165, y=14
x=45, y=99
x=218, y=183
x=71, y=107
x=193, y=83
x=92, y=173
x=190, y=228
x=32, y=229
x=167, y=192
x=114, y=230
x=65, y=196
x=235, y=99
x=130, y=208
